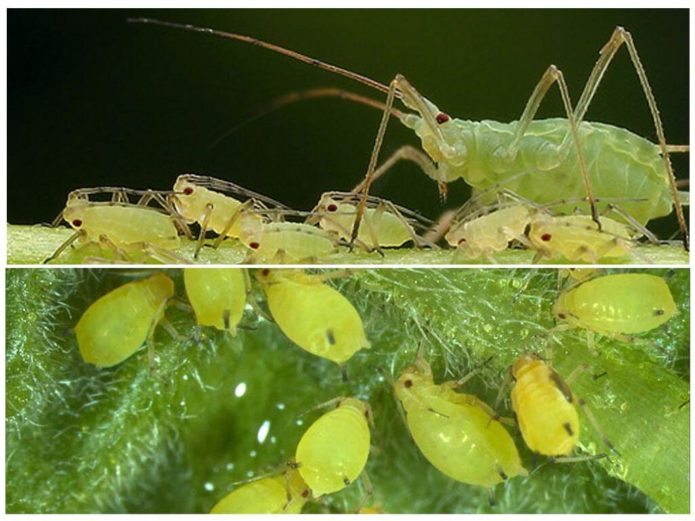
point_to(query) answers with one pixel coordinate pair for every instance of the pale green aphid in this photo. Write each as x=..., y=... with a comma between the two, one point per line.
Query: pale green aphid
x=119, y=323
x=572, y=158
x=384, y=224
x=457, y=433
x=333, y=452
x=120, y=225
x=615, y=305
x=283, y=494
x=218, y=296
x=312, y=314
x=286, y=242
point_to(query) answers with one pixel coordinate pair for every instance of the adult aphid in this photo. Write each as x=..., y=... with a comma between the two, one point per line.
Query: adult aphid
x=573, y=158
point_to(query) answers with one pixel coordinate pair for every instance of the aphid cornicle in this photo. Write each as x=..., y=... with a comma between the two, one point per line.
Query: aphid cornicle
x=283, y=494
x=614, y=305
x=544, y=406
x=458, y=434
x=572, y=157
x=218, y=296
x=333, y=452
x=119, y=323
x=312, y=314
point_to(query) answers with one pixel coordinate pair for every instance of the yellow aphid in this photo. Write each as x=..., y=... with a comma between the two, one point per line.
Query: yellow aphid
x=612, y=305
x=312, y=314
x=282, y=494
x=491, y=233
x=545, y=407
x=333, y=451
x=457, y=433
x=286, y=242
x=218, y=296
x=577, y=237
x=119, y=323
x=383, y=224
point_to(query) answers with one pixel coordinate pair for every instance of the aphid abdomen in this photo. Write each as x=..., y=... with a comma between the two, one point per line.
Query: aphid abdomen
x=620, y=163
x=544, y=409
x=125, y=225
x=317, y=318
x=461, y=440
x=292, y=241
x=218, y=296
x=626, y=303
x=116, y=325
x=265, y=496
x=333, y=452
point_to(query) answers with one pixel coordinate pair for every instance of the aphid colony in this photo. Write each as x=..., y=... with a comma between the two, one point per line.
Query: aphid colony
x=459, y=434
x=149, y=224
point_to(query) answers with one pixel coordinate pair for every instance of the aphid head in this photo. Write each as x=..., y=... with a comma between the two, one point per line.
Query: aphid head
x=523, y=363
x=410, y=380
x=74, y=213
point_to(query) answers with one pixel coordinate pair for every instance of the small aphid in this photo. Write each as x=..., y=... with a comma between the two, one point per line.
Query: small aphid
x=490, y=233
x=119, y=323
x=459, y=434
x=333, y=451
x=218, y=296
x=120, y=225
x=545, y=407
x=383, y=225
x=286, y=242
x=615, y=305
x=283, y=494
x=313, y=315
x=219, y=206
x=577, y=238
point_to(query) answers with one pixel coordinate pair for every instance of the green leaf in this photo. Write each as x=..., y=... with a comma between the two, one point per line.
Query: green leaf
x=34, y=244
x=80, y=439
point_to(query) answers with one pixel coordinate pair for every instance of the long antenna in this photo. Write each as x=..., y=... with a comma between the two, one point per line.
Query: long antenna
x=271, y=47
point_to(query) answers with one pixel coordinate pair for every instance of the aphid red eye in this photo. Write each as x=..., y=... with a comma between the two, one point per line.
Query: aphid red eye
x=331, y=207
x=77, y=223
x=408, y=384
x=561, y=316
x=442, y=118
x=187, y=191
x=265, y=272
x=254, y=245
x=546, y=237
x=305, y=493
x=658, y=312
x=462, y=240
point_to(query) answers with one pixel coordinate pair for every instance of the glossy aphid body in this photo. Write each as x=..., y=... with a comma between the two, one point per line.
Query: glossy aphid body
x=383, y=225
x=571, y=157
x=312, y=314
x=287, y=242
x=333, y=452
x=457, y=433
x=545, y=407
x=218, y=296
x=120, y=322
x=282, y=494
x=121, y=225
x=613, y=305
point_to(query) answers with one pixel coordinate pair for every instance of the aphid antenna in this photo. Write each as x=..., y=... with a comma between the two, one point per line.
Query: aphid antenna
x=221, y=185
x=298, y=96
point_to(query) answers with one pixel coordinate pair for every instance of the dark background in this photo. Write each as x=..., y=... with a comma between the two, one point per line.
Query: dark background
x=95, y=101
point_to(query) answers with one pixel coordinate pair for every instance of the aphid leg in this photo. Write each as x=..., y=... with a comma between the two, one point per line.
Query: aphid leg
x=576, y=373
x=550, y=76
x=595, y=425
x=362, y=205
x=619, y=37
x=372, y=223
x=333, y=401
x=418, y=241
x=575, y=459
x=232, y=220
x=66, y=244
x=408, y=153
x=159, y=315
x=633, y=222
x=203, y=229
x=108, y=243
x=505, y=384
x=440, y=228
x=590, y=342
x=492, y=501
x=367, y=489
